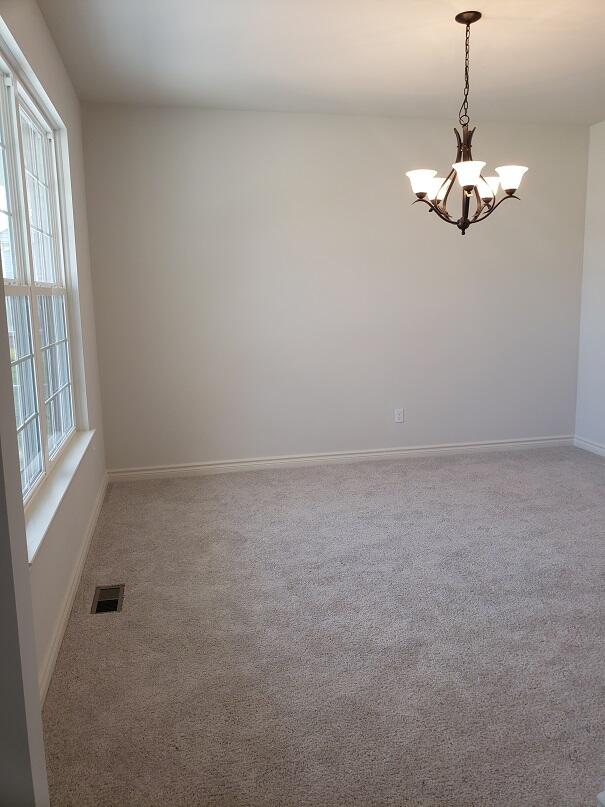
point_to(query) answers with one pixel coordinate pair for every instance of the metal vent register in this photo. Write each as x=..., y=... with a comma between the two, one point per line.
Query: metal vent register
x=107, y=598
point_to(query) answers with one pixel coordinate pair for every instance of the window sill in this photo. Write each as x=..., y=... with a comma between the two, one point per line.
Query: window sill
x=40, y=512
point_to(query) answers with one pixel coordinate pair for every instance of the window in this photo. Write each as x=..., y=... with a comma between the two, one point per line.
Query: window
x=31, y=249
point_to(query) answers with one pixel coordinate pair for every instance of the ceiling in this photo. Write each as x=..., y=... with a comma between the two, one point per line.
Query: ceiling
x=534, y=60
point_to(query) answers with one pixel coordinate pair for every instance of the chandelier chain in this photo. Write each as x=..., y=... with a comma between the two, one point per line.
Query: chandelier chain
x=463, y=112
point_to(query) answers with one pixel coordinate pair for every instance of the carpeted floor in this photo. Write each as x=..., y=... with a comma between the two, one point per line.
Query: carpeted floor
x=423, y=633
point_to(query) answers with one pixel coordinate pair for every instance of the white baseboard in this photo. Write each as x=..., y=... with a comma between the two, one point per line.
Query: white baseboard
x=589, y=445
x=48, y=665
x=298, y=460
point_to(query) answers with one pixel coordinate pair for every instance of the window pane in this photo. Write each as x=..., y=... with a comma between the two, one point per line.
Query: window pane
x=59, y=419
x=6, y=248
x=55, y=354
x=33, y=147
x=38, y=153
x=51, y=313
x=24, y=391
x=19, y=327
x=3, y=190
x=55, y=359
x=30, y=454
x=56, y=369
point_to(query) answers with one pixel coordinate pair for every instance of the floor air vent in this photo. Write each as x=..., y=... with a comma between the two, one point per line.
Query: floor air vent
x=107, y=598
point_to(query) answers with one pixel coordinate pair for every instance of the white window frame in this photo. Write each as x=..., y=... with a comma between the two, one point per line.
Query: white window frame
x=17, y=95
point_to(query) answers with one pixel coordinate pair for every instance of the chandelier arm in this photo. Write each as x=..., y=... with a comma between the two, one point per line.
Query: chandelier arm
x=436, y=210
x=450, y=176
x=458, y=146
x=481, y=203
x=495, y=207
x=444, y=183
x=479, y=210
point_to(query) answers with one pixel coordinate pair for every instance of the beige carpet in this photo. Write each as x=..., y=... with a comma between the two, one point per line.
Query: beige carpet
x=427, y=632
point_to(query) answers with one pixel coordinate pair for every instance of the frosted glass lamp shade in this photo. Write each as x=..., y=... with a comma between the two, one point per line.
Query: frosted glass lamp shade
x=420, y=180
x=488, y=187
x=443, y=190
x=494, y=184
x=468, y=172
x=436, y=191
x=485, y=191
x=511, y=176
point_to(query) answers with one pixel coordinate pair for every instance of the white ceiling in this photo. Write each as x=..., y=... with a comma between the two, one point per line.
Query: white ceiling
x=540, y=60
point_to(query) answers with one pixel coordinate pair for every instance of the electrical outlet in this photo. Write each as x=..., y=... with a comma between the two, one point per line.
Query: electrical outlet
x=398, y=415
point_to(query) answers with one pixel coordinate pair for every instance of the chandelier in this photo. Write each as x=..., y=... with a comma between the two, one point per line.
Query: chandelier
x=482, y=192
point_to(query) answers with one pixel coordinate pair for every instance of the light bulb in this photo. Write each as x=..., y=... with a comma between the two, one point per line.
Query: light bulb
x=511, y=176
x=468, y=172
x=420, y=180
x=437, y=189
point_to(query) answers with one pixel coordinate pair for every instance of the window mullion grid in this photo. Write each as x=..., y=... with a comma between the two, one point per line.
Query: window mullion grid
x=19, y=221
x=54, y=344
x=16, y=179
x=58, y=392
x=35, y=414
x=69, y=383
x=58, y=287
x=52, y=169
x=14, y=236
x=39, y=373
x=27, y=421
x=55, y=223
x=24, y=284
x=24, y=199
x=22, y=359
x=33, y=301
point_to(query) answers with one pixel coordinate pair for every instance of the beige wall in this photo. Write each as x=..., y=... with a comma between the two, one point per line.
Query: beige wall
x=52, y=570
x=590, y=424
x=263, y=287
